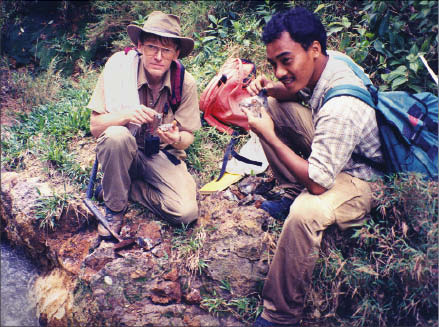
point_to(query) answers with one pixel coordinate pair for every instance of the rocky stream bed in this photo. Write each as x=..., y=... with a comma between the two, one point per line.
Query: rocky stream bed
x=170, y=276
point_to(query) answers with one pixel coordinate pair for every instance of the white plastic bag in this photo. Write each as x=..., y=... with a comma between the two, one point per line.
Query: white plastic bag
x=251, y=150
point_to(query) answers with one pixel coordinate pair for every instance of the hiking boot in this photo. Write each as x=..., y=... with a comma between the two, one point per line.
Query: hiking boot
x=115, y=220
x=278, y=209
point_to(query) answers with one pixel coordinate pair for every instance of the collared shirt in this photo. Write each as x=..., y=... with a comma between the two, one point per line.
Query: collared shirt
x=187, y=114
x=343, y=125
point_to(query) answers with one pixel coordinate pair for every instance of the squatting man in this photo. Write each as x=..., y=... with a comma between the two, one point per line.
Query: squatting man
x=140, y=161
x=311, y=146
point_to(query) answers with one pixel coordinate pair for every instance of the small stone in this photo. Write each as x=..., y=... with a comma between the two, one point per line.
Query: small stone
x=248, y=185
x=171, y=275
x=138, y=274
x=229, y=195
x=193, y=297
x=316, y=314
x=108, y=280
x=98, y=292
x=166, y=292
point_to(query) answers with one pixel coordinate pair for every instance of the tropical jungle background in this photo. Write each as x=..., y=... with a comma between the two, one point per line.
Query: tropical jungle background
x=52, y=52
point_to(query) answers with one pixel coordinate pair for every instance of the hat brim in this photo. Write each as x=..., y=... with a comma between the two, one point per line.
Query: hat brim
x=186, y=44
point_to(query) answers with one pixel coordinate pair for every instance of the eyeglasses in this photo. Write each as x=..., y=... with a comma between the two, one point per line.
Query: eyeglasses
x=152, y=50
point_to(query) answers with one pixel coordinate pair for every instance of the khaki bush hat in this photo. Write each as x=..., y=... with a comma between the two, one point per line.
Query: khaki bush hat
x=165, y=25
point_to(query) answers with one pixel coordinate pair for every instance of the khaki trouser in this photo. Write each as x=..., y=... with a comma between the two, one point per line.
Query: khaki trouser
x=166, y=189
x=345, y=204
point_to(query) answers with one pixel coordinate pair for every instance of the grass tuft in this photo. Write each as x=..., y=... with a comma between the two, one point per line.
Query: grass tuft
x=49, y=209
x=189, y=244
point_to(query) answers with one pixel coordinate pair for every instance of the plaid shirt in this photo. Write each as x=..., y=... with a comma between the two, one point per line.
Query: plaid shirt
x=344, y=125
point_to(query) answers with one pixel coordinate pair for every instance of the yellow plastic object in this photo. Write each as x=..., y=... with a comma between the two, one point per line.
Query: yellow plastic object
x=225, y=181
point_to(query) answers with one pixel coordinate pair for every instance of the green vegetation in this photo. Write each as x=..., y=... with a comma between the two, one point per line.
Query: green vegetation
x=384, y=273
x=385, y=38
x=243, y=308
x=49, y=209
x=188, y=244
x=47, y=132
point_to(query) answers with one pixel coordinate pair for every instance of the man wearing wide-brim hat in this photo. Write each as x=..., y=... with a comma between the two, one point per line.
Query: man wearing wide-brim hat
x=144, y=113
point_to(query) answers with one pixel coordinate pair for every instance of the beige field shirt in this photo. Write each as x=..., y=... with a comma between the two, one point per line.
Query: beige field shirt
x=187, y=114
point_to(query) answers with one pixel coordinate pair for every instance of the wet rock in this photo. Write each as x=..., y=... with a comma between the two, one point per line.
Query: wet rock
x=18, y=201
x=72, y=252
x=53, y=294
x=147, y=283
x=20, y=196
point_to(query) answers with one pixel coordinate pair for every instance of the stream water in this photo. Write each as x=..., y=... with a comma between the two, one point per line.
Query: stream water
x=17, y=274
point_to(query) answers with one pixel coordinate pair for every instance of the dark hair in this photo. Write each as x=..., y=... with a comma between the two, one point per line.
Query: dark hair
x=303, y=26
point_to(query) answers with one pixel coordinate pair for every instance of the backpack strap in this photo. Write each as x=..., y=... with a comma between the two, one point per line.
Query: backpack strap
x=172, y=158
x=361, y=75
x=355, y=68
x=365, y=96
x=372, y=163
x=350, y=90
x=177, y=78
x=252, y=74
x=128, y=49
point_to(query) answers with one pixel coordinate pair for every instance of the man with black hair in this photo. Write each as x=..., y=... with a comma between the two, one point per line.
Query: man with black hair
x=312, y=147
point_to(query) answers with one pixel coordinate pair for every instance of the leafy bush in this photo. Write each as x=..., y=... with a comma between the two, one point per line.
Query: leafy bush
x=41, y=32
x=386, y=38
x=402, y=32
